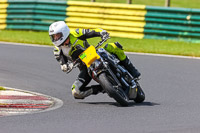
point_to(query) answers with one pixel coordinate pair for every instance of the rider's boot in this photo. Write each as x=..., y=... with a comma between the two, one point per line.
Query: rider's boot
x=97, y=89
x=90, y=90
x=131, y=69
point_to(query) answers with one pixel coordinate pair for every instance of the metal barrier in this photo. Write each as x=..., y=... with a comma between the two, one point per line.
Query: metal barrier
x=121, y=20
x=32, y=14
x=172, y=23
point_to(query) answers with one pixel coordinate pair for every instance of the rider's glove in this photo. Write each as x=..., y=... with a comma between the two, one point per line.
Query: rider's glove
x=104, y=34
x=66, y=67
x=56, y=53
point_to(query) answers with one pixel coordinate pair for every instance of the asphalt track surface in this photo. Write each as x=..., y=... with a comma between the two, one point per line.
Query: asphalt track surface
x=171, y=86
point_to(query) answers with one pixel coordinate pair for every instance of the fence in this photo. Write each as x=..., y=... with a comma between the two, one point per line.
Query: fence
x=31, y=14
x=121, y=20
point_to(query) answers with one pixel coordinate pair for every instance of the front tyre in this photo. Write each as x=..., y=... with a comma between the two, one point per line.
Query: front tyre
x=110, y=86
x=140, y=95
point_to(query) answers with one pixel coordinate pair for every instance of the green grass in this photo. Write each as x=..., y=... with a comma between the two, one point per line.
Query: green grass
x=131, y=45
x=174, y=3
x=32, y=37
x=159, y=46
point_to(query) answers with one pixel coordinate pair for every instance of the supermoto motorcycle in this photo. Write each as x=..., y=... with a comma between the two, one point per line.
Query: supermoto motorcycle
x=105, y=69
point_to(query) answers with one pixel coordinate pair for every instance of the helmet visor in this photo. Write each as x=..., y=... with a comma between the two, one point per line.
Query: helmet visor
x=56, y=37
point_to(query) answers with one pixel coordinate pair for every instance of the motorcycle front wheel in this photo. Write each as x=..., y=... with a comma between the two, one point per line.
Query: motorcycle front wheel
x=140, y=95
x=113, y=89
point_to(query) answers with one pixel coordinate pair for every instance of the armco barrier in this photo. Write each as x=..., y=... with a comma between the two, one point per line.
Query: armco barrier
x=121, y=20
x=172, y=23
x=3, y=14
x=32, y=14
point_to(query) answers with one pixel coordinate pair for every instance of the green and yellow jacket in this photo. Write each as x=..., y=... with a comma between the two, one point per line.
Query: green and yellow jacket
x=78, y=41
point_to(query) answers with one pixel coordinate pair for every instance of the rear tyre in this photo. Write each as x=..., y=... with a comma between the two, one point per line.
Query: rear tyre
x=110, y=86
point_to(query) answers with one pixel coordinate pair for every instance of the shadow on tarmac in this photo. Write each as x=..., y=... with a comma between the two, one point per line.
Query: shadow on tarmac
x=131, y=104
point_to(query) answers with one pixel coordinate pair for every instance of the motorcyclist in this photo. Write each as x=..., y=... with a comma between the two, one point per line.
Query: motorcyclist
x=69, y=44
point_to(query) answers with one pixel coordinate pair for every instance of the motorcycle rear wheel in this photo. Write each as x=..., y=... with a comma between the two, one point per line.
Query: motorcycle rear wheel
x=108, y=83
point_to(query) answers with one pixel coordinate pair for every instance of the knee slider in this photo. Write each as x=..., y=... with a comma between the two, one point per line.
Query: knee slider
x=76, y=90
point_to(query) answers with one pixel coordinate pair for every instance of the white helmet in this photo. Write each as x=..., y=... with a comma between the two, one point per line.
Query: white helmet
x=58, y=32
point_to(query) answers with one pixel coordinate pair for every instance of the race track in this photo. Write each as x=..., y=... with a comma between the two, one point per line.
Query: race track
x=171, y=86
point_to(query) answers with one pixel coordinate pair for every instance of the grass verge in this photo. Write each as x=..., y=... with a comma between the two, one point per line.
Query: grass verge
x=173, y=3
x=130, y=45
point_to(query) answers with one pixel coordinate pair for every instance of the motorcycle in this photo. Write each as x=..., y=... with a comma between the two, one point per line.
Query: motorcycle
x=105, y=69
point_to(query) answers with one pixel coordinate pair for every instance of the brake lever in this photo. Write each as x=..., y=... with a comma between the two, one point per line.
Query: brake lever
x=102, y=41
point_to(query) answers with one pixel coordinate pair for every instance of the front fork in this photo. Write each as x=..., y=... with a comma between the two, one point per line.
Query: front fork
x=129, y=88
x=119, y=78
x=128, y=81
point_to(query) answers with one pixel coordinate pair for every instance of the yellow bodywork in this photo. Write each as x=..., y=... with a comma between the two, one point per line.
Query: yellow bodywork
x=89, y=56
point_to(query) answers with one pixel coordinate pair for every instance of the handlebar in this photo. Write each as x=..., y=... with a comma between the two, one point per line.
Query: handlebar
x=76, y=63
x=102, y=41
